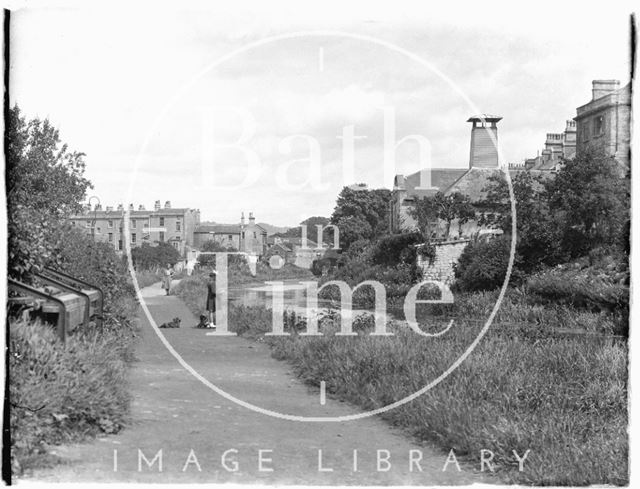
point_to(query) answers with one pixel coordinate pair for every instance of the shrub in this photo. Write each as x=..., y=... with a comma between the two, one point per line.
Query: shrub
x=396, y=249
x=97, y=263
x=148, y=257
x=483, y=265
x=63, y=393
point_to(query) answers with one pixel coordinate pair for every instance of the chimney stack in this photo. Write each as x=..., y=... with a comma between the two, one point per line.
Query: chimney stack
x=604, y=87
x=130, y=207
x=167, y=204
x=156, y=207
x=242, y=219
x=141, y=207
x=98, y=207
x=120, y=207
x=484, y=141
x=109, y=208
x=252, y=220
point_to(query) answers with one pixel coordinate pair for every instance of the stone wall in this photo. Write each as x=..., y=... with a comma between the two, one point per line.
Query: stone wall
x=447, y=254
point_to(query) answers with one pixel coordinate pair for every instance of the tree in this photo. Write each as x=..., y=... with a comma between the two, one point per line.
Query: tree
x=312, y=230
x=428, y=210
x=45, y=183
x=147, y=257
x=361, y=214
x=210, y=260
x=591, y=194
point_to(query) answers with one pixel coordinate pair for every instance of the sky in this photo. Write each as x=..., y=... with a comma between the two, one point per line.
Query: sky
x=251, y=106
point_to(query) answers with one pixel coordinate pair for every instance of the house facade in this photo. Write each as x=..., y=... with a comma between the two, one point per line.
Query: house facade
x=604, y=123
x=175, y=226
x=247, y=237
x=559, y=146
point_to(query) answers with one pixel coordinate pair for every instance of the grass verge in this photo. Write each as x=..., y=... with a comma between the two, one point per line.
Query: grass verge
x=564, y=398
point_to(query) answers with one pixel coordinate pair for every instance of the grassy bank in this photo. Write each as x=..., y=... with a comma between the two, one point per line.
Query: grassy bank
x=525, y=387
x=71, y=392
x=66, y=393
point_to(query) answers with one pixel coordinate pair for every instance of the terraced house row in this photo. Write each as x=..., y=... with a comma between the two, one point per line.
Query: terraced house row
x=160, y=225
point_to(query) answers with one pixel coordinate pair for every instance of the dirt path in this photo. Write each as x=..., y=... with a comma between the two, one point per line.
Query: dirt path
x=173, y=412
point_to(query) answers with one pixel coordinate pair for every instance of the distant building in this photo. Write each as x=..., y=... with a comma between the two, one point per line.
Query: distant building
x=558, y=147
x=604, y=123
x=295, y=251
x=246, y=237
x=483, y=161
x=160, y=225
x=471, y=181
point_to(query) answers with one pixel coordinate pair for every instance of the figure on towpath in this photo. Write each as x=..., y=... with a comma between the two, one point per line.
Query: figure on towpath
x=167, y=274
x=211, y=298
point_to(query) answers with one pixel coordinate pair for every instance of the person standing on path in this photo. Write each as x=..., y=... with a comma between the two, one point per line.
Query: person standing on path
x=166, y=278
x=211, y=298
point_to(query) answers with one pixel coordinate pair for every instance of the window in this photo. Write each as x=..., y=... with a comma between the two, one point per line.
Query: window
x=119, y=245
x=73, y=223
x=178, y=226
x=133, y=237
x=161, y=237
x=109, y=223
x=242, y=234
x=162, y=221
x=254, y=235
x=110, y=237
x=176, y=245
x=134, y=223
x=598, y=125
x=88, y=224
x=230, y=237
x=585, y=131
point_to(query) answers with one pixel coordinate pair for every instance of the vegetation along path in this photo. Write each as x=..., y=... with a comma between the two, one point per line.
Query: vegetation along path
x=173, y=412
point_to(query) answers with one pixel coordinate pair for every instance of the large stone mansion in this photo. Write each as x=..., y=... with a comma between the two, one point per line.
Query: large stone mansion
x=603, y=124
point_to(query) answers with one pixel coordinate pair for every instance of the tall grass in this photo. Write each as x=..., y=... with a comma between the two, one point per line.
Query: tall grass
x=562, y=398
x=148, y=277
x=61, y=393
x=525, y=387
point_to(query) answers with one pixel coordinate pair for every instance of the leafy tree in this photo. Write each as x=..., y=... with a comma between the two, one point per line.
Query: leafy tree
x=483, y=265
x=428, y=210
x=536, y=227
x=361, y=214
x=210, y=260
x=148, y=257
x=312, y=230
x=352, y=229
x=44, y=183
x=591, y=198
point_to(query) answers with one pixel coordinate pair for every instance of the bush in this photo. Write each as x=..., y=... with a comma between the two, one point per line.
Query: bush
x=63, y=393
x=147, y=257
x=483, y=265
x=396, y=249
x=97, y=263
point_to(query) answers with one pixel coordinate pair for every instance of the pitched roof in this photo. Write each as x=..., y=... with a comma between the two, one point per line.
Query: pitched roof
x=474, y=182
x=441, y=179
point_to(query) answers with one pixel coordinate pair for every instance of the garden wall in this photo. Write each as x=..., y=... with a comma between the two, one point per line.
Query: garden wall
x=446, y=255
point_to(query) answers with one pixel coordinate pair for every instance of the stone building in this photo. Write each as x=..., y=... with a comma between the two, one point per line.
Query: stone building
x=175, y=226
x=295, y=251
x=246, y=237
x=604, y=123
x=558, y=146
x=470, y=180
